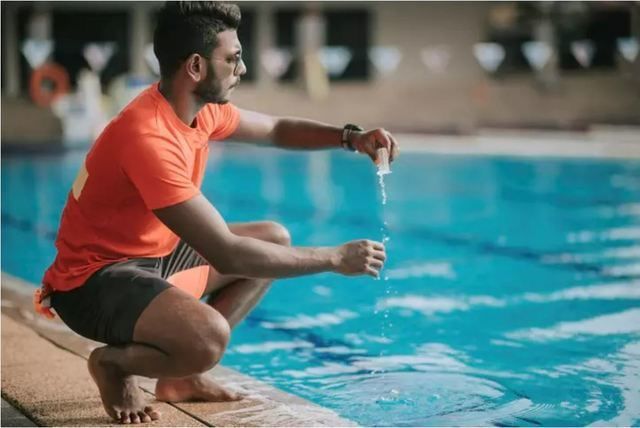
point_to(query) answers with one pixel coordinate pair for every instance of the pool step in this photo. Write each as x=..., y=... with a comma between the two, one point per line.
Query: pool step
x=44, y=375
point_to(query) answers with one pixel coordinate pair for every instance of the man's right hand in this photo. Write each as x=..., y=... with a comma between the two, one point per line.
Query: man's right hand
x=361, y=257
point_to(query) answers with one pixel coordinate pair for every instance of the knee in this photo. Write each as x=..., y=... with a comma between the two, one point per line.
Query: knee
x=278, y=234
x=213, y=337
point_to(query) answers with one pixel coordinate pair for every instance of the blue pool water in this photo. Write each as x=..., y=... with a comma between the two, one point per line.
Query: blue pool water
x=512, y=290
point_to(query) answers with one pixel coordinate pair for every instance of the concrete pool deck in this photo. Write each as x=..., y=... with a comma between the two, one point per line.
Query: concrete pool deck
x=603, y=142
x=45, y=379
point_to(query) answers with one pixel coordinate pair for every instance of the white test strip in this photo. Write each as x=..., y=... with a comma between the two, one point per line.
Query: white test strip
x=383, y=164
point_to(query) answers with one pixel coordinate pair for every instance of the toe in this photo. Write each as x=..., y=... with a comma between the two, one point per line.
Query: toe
x=124, y=418
x=144, y=417
x=115, y=414
x=135, y=419
x=233, y=396
x=153, y=414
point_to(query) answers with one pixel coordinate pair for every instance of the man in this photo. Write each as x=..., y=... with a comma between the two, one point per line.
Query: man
x=136, y=233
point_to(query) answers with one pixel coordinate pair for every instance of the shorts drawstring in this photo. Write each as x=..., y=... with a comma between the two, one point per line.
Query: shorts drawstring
x=42, y=302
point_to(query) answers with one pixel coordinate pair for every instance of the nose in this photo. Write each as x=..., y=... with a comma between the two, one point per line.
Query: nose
x=242, y=68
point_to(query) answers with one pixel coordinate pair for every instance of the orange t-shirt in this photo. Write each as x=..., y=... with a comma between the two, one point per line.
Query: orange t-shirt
x=145, y=159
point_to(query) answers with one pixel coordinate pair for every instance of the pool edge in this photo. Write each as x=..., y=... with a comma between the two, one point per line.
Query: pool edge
x=264, y=406
x=592, y=145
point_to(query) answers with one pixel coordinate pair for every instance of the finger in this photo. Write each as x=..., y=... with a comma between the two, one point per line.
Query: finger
x=382, y=138
x=374, y=157
x=372, y=272
x=369, y=149
x=379, y=255
x=376, y=245
x=395, y=151
x=375, y=263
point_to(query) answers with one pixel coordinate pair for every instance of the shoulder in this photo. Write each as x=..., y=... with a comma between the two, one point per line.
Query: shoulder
x=141, y=114
x=219, y=120
x=138, y=121
x=218, y=112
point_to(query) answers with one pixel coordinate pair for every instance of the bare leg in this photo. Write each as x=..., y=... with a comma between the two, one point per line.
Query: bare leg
x=176, y=336
x=233, y=298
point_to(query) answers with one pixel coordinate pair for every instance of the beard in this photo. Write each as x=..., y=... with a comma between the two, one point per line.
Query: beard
x=210, y=91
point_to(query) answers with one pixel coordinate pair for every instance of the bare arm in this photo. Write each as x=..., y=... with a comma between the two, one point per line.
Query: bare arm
x=289, y=133
x=199, y=224
x=305, y=134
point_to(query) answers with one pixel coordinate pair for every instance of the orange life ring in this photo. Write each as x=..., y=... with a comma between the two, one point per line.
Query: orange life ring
x=54, y=73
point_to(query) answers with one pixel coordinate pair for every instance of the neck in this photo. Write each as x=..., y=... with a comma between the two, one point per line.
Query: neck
x=184, y=102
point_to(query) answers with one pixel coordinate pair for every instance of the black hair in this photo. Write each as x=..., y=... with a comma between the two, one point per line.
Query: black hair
x=188, y=27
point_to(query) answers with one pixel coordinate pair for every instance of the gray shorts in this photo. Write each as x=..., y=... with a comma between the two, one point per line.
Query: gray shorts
x=107, y=306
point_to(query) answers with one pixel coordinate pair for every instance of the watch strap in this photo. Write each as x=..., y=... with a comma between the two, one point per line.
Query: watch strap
x=346, y=133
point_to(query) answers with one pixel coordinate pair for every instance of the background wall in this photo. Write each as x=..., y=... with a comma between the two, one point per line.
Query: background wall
x=460, y=98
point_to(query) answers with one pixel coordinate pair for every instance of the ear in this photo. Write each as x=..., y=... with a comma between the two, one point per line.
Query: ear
x=196, y=67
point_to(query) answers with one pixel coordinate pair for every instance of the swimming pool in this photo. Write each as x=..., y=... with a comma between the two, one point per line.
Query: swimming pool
x=512, y=294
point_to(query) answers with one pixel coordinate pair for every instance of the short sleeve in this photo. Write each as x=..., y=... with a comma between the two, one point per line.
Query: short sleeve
x=226, y=118
x=159, y=170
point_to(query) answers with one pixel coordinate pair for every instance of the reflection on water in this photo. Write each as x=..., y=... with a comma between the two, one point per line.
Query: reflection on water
x=627, y=322
x=411, y=399
x=433, y=304
x=306, y=321
x=613, y=234
x=433, y=269
x=434, y=387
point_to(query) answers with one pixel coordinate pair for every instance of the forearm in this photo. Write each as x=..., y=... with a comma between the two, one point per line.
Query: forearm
x=199, y=224
x=254, y=258
x=294, y=133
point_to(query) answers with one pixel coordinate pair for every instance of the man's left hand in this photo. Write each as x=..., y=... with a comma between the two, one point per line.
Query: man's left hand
x=370, y=141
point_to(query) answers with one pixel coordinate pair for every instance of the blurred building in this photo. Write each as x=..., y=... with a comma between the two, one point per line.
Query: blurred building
x=408, y=66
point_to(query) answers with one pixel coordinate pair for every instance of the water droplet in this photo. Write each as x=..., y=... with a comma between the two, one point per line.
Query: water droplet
x=385, y=239
x=382, y=189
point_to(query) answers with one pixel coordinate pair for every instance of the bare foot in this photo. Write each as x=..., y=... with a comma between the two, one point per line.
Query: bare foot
x=121, y=397
x=198, y=387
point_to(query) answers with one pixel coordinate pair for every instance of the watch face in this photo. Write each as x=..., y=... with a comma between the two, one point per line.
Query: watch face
x=345, y=136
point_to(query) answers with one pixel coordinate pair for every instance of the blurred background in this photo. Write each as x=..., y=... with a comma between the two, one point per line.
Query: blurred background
x=511, y=295
x=436, y=67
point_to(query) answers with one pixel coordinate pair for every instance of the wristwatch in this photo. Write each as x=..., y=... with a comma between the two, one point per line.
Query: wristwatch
x=346, y=133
